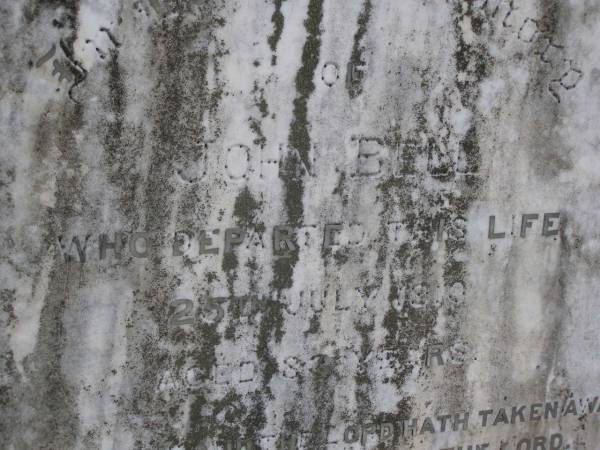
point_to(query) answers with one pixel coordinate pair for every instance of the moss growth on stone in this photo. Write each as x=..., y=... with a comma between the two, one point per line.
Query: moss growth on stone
x=278, y=22
x=198, y=429
x=271, y=327
x=283, y=271
x=299, y=138
x=246, y=210
x=354, y=87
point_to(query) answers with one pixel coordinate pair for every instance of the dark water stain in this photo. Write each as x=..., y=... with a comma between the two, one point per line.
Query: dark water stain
x=123, y=143
x=548, y=157
x=179, y=59
x=117, y=100
x=412, y=284
x=407, y=328
x=475, y=61
x=53, y=398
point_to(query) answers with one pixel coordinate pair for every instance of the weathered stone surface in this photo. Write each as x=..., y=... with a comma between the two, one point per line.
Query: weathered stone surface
x=307, y=224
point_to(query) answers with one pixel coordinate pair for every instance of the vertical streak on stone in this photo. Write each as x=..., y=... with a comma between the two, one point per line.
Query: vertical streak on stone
x=296, y=164
x=413, y=260
x=55, y=420
x=52, y=397
x=353, y=86
x=362, y=378
x=157, y=207
x=299, y=140
x=278, y=22
x=181, y=98
x=472, y=64
x=271, y=325
x=324, y=381
x=117, y=100
x=412, y=197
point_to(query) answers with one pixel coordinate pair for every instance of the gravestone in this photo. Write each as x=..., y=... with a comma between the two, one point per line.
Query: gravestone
x=299, y=224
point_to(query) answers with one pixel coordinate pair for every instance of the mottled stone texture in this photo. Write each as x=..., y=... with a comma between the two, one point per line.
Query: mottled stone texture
x=266, y=224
